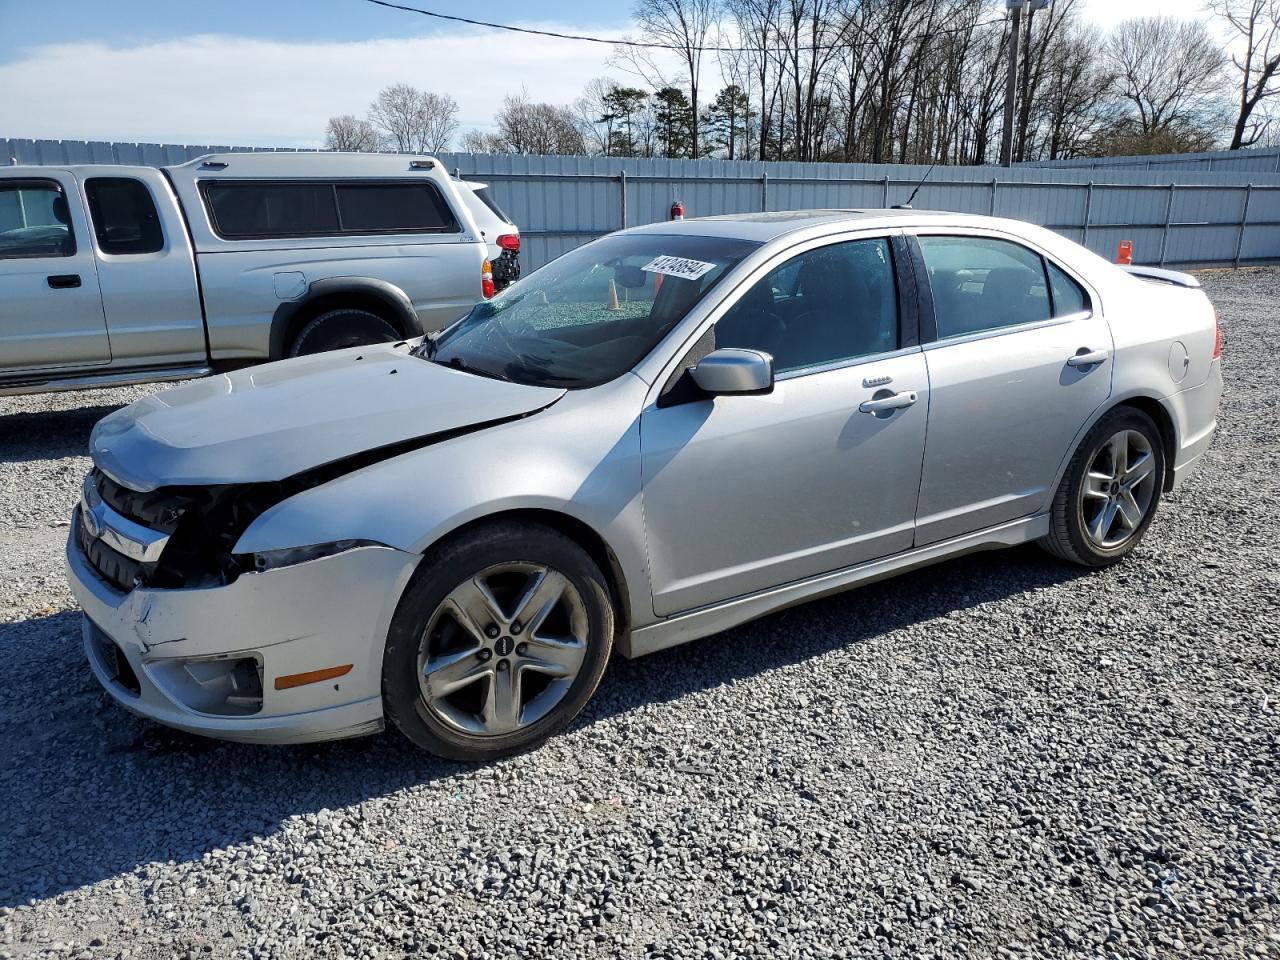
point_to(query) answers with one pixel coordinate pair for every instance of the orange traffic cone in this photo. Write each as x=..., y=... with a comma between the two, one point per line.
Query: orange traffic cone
x=613, y=296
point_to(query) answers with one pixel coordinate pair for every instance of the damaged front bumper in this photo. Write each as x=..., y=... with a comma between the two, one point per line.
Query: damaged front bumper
x=225, y=661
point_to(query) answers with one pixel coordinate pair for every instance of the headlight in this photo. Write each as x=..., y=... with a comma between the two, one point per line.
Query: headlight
x=273, y=559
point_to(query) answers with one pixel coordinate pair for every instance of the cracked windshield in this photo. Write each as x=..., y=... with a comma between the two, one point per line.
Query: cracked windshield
x=591, y=315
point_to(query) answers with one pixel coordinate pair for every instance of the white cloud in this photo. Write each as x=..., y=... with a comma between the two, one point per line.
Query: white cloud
x=226, y=89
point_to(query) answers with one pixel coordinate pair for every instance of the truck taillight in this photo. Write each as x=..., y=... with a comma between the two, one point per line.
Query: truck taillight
x=510, y=241
x=1217, y=334
x=486, y=280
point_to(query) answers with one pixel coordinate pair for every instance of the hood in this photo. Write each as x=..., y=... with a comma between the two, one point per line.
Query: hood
x=270, y=422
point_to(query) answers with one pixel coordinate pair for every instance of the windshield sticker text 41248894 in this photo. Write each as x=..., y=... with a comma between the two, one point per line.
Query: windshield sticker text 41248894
x=681, y=267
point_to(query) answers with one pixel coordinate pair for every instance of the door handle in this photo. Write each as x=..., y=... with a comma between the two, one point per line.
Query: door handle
x=64, y=281
x=1087, y=358
x=894, y=402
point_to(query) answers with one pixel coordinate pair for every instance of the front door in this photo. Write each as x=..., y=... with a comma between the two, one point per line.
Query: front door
x=1009, y=390
x=742, y=493
x=50, y=307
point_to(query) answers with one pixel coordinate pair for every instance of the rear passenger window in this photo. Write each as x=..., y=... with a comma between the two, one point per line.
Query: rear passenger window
x=393, y=208
x=124, y=216
x=833, y=303
x=983, y=284
x=35, y=220
x=1068, y=296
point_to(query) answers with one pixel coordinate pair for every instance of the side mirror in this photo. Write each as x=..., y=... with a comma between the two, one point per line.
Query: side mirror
x=732, y=370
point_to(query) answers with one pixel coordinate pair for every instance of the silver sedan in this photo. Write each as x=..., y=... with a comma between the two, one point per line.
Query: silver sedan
x=656, y=437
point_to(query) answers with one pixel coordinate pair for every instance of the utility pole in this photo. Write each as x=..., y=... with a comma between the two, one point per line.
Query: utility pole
x=1011, y=79
x=1011, y=82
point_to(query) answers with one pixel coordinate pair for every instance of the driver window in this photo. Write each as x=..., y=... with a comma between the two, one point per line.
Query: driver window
x=833, y=303
x=35, y=220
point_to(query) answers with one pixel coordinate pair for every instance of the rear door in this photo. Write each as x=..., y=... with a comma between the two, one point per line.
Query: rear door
x=50, y=307
x=1008, y=390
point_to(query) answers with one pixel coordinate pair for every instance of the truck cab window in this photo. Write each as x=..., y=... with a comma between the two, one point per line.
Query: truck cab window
x=35, y=220
x=125, y=220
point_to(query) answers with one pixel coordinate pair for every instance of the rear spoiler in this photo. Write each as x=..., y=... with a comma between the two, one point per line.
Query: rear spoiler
x=1162, y=276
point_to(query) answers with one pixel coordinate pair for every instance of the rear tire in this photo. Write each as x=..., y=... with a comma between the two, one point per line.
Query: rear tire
x=341, y=328
x=1110, y=491
x=499, y=641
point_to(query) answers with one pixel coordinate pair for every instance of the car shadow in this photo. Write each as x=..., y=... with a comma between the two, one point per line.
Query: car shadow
x=49, y=434
x=79, y=774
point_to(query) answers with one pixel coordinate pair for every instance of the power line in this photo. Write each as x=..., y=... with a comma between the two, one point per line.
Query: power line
x=630, y=43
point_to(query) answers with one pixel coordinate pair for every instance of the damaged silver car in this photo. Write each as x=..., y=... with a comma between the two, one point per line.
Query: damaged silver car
x=658, y=436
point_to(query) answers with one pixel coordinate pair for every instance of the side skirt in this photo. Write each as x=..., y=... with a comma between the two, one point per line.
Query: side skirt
x=49, y=383
x=705, y=621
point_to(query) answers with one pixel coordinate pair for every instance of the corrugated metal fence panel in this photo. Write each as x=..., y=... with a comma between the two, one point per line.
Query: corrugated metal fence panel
x=1264, y=160
x=1173, y=212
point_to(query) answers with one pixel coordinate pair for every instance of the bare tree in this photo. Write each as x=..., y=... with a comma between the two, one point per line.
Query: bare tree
x=350, y=134
x=1256, y=24
x=531, y=128
x=413, y=120
x=683, y=26
x=1167, y=71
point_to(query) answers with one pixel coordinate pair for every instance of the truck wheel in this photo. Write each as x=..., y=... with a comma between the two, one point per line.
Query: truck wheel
x=337, y=329
x=498, y=642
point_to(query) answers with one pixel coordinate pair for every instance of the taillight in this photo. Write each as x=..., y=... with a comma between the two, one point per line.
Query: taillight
x=510, y=241
x=1217, y=334
x=486, y=280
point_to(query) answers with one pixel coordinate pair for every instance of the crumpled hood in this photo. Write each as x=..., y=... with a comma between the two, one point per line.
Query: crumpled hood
x=270, y=422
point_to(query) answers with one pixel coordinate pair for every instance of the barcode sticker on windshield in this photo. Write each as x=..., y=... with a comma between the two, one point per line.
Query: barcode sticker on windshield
x=680, y=267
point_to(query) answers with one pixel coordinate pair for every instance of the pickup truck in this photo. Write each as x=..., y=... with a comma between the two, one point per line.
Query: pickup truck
x=111, y=275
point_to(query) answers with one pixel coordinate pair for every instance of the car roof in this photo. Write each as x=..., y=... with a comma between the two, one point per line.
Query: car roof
x=763, y=227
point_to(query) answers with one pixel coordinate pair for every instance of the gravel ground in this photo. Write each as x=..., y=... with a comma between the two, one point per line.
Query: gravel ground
x=995, y=757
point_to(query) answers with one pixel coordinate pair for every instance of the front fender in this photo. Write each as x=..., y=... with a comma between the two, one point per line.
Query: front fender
x=579, y=458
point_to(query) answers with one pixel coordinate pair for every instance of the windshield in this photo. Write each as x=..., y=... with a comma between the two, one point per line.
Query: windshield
x=591, y=315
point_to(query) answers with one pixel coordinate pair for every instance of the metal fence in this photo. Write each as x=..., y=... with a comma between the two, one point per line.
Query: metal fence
x=1265, y=160
x=1202, y=218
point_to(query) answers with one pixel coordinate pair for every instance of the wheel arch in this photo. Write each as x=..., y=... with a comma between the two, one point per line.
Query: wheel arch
x=360, y=293
x=577, y=530
x=1163, y=420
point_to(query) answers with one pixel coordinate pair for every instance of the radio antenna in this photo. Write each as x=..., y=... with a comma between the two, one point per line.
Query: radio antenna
x=907, y=205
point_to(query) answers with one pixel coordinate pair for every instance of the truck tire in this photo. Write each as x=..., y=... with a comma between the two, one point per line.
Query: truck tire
x=337, y=329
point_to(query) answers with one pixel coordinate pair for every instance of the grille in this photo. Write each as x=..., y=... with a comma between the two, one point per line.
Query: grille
x=115, y=568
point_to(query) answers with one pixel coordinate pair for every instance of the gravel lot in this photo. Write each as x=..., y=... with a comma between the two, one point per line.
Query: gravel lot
x=995, y=757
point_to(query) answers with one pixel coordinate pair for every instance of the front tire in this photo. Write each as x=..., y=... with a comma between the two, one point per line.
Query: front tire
x=498, y=642
x=342, y=328
x=1110, y=491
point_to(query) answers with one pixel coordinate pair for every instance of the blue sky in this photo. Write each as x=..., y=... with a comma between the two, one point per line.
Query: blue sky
x=270, y=72
x=26, y=22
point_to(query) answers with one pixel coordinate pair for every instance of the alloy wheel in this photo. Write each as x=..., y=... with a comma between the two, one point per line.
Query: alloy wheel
x=1118, y=489
x=502, y=649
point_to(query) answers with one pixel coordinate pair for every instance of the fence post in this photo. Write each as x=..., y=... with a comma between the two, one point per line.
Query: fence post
x=884, y=193
x=622, y=187
x=1244, y=221
x=1168, y=218
x=764, y=191
x=995, y=185
x=1088, y=210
